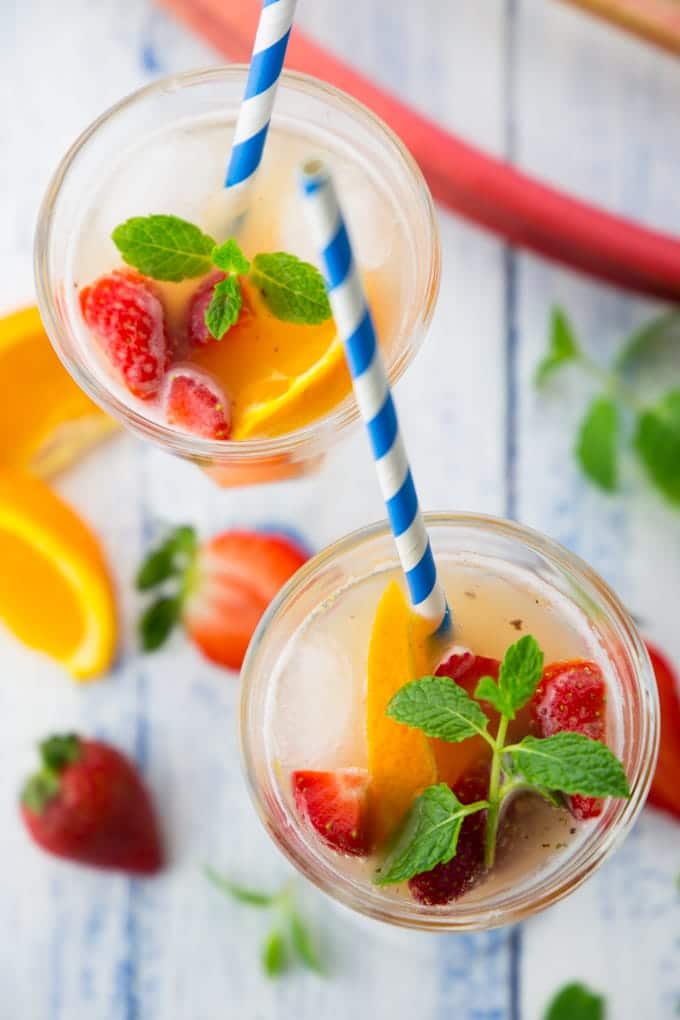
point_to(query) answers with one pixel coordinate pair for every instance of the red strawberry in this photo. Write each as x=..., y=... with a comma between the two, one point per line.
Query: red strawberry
x=456, y=760
x=222, y=588
x=665, y=790
x=447, y=882
x=335, y=805
x=124, y=312
x=88, y=803
x=196, y=403
x=198, y=333
x=572, y=697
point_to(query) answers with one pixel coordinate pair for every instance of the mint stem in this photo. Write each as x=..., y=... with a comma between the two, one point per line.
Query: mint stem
x=612, y=383
x=493, y=812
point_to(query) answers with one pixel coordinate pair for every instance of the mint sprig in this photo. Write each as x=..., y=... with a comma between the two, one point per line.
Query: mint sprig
x=170, y=248
x=617, y=416
x=289, y=937
x=567, y=763
x=168, y=571
x=576, y=1002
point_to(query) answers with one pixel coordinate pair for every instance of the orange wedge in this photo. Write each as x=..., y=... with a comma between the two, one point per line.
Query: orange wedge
x=400, y=759
x=55, y=592
x=46, y=421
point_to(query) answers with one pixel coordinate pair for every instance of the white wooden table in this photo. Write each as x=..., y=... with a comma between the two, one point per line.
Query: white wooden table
x=564, y=97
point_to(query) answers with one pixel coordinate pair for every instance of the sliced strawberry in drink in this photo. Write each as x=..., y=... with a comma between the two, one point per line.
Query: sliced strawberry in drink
x=572, y=698
x=196, y=403
x=447, y=882
x=466, y=669
x=335, y=804
x=198, y=333
x=125, y=314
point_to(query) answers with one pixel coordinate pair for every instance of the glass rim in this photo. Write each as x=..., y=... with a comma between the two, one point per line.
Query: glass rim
x=508, y=907
x=194, y=447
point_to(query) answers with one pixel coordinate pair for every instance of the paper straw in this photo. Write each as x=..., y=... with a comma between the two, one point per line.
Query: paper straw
x=372, y=390
x=269, y=51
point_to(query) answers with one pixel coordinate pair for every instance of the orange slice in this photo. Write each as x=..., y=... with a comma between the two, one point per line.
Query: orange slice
x=55, y=592
x=400, y=759
x=279, y=375
x=46, y=421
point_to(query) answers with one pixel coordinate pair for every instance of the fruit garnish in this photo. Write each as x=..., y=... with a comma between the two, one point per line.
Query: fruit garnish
x=567, y=763
x=88, y=803
x=288, y=932
x=55, y=591
x=198, y=334
x=196, y=403
x=127, y=318
x=218, y=589
x=400, y=760
x=665, y=789
x=335, y=804
x=283, y=374
x=467, y=669
x=572, y=698
x=447, y=882
x=169, y=248
x=63, y=423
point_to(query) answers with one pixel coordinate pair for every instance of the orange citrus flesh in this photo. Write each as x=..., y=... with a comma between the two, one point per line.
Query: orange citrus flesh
x=400, y=759
x=280, y=376
x=46, y=421
x=55, y=591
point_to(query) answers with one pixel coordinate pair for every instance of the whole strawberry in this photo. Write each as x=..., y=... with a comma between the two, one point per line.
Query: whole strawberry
x=218, y=590
x=87, y=803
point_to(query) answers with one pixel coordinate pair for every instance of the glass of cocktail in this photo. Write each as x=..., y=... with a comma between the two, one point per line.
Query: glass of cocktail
x=162, y=151
x=332, y=775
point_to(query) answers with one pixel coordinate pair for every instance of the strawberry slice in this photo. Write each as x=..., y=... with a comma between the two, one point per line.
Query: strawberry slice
x=665, y=789
x=335, y=803
x=448, y=882
x=195, y=402
x=572, y=697
x=198, y=333
x=218, y=590
x=455, y=760
x=125, y=314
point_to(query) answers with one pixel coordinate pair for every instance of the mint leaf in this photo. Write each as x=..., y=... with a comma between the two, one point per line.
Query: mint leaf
x=576, y=1002
x=302, y=943
x=571, y=763
x=225, y=307
x=428, y=837
x=439, y=707
x=293, y=290
x=169, y=559
x=230, y=258
x=597, y=444
x=164, y=247
x=657, y=442
x=157, y=622
x=519, y=676
x=648, y=339
x=488, y=690
x=238, y=892
x=562, y=349
x=274, y=954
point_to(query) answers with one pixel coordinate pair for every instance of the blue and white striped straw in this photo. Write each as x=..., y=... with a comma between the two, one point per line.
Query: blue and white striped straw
x=372, y=390
x=269, y=51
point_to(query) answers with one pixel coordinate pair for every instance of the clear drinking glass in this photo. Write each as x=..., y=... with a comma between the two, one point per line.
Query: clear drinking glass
x=366, y=559
x=164, y=149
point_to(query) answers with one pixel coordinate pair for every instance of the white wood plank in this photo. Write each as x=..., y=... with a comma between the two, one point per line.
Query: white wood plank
x=595, y=113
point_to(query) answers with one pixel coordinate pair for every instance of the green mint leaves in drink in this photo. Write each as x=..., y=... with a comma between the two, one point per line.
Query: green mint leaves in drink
x=293, y=290
x=171, y=249
x=620, y=419
x=564, y=764
x=288, y=938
